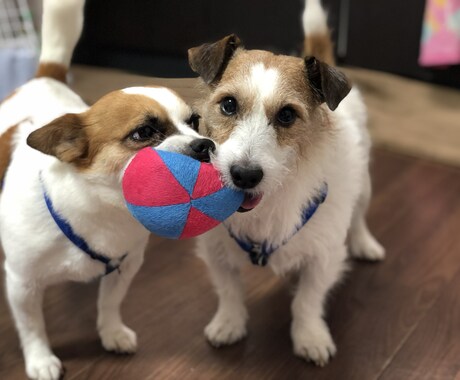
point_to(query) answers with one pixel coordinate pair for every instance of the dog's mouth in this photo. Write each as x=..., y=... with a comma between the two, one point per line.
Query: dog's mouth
x=250, y=202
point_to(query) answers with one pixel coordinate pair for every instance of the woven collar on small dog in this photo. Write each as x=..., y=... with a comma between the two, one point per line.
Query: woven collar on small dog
x=259, y=253
x=110, y=264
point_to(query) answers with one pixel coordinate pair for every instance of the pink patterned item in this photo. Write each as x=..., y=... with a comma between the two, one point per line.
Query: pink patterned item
x=440, y=44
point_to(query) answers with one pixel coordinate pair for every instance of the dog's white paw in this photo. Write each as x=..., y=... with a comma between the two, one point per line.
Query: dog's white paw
x=313, y=342
x=47, y=367
x=366, y=247
x=226, y=328
x=121, y=339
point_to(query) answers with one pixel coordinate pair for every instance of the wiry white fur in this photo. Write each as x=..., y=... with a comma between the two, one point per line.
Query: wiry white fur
x=248, y=143
x=61, y=29
x=169, y=99
x=37, y=254
x=263, y=81
x=314, y=18
x=318, y=251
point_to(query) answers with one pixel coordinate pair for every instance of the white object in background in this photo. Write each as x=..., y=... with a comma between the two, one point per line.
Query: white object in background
x=18, y=45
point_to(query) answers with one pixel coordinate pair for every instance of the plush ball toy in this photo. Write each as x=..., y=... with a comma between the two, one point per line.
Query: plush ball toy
x=176, y=196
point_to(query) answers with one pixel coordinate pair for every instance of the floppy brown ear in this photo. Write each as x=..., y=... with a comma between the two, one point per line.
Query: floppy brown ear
x=63, y=138
x=329, y=84
x=210, y=60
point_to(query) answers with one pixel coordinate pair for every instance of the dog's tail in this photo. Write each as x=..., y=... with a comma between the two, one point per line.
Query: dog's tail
x=317, y=41
x=62, y=25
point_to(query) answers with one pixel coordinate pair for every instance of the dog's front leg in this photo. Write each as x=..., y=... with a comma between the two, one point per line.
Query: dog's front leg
x=310, y=334
x=229, y=323
x=115, y=335
x=25, y=297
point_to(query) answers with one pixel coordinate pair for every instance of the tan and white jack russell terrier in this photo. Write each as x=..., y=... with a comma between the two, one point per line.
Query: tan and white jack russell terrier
x=62, y=213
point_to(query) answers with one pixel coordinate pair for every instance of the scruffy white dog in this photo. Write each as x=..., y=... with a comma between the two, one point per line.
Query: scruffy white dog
x=292, y=135
x=62, y=213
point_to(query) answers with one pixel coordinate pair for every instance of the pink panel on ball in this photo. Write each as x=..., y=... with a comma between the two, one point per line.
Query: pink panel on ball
x=208, y=181
x=148, y=182
x=197, y=223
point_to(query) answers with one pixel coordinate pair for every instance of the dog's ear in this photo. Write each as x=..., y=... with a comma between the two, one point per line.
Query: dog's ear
x=210, y=60
x=328, y=84
x=64, y=138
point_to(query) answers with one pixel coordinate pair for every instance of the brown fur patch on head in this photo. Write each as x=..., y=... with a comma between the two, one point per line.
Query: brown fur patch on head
x=294, y=89
x=6, y=149
x=306, y=132
x=113, y=118
x=100, y=139
x=52, y=70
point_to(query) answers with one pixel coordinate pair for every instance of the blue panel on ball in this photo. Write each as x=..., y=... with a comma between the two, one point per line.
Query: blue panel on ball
x=165, y=221
x=221, y=204
x=185, y=169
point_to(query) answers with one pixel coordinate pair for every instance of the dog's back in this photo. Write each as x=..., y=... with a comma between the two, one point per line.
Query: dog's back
x=47, y=96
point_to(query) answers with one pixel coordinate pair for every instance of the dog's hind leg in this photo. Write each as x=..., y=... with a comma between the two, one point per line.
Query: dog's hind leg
x=25, y=298
x=115, y=335
x=362, y=244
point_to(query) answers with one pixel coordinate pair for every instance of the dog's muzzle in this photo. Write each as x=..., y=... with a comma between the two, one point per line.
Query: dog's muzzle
x=200, y=149
x=246, y=177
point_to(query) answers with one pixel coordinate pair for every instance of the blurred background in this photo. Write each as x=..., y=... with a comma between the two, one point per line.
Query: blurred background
x=395, y=320
x=152, y=37
x=404, y=55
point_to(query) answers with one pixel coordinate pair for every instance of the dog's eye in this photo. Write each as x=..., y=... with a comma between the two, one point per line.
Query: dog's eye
x=143, y=133
x=286, y=116
x=228, y=106
x=150, y=128
x=194, y=121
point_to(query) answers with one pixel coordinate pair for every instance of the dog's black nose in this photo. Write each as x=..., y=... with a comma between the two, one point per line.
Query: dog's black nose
x=201, y=149
x=246, y=178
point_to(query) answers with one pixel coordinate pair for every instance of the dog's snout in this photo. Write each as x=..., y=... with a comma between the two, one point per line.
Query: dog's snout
x=201, y=149
x=246, y=178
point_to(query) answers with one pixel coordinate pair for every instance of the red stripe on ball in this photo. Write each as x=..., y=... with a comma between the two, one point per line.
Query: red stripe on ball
x=144, y=182
x=197, y=223
x=208, y=181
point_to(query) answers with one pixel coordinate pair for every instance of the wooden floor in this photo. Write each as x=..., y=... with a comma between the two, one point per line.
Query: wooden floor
x=396, y=320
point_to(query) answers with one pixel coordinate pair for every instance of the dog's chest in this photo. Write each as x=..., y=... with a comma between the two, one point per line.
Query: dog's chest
x=295, y=243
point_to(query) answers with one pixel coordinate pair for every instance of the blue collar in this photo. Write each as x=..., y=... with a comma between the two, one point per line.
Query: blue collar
x=259, y=253
x=66, y=228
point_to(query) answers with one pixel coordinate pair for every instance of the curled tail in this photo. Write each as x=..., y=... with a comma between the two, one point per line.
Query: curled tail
x=317, y=41
x=61, y=28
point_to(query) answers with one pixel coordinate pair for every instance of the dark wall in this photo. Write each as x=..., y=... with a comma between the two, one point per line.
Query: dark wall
x=385, y=35
x=152, y=36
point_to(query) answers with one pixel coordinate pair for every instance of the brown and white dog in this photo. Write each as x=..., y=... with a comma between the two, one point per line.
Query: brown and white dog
x=292, y=134
x=62, y=213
